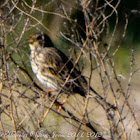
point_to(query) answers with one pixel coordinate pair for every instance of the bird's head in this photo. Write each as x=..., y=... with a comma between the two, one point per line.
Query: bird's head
x=40, y=40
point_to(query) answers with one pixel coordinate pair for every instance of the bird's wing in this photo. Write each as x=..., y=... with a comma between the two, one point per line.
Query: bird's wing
x=53, y=65
x=58, y=66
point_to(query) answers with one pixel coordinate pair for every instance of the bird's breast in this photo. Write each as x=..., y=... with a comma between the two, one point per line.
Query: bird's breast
x=37, y=64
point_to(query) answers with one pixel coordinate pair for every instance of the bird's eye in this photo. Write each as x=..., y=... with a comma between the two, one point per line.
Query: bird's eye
x=39, y=37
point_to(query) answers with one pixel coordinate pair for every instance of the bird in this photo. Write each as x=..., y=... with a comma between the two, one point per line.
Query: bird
x=55, y=70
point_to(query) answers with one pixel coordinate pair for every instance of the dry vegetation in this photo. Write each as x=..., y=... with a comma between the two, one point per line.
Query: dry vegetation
x=82, y=28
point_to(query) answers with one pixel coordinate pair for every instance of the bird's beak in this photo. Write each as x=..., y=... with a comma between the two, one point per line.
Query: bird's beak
x=29, y=40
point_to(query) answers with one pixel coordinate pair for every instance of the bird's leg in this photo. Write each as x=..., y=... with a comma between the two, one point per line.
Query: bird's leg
x=62, y=103
x=48, y=92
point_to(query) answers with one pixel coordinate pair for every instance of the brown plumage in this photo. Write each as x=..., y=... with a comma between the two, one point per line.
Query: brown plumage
x=55, y=70
x=52, y=67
